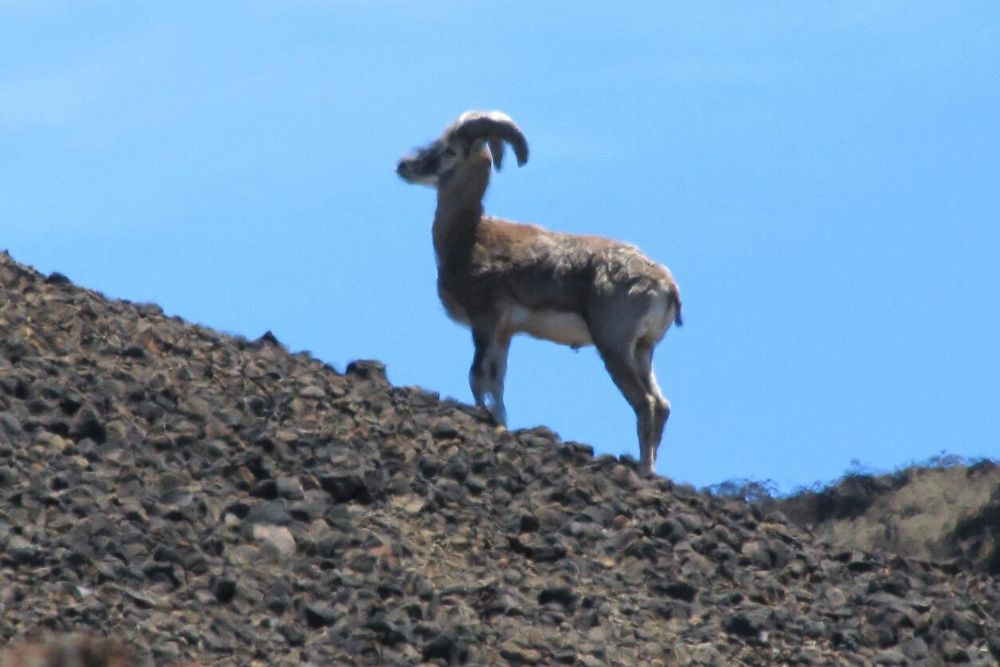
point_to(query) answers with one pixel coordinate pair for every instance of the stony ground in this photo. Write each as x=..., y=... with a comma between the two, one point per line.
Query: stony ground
x=209, y=498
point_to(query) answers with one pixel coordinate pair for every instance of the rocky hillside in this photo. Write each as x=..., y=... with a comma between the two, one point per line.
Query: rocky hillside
x=209, y=498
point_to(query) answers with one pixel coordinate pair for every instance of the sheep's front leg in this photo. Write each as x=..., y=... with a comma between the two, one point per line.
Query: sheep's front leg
x=489, y=366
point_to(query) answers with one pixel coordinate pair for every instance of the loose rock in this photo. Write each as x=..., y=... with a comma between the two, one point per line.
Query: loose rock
x=205, y=498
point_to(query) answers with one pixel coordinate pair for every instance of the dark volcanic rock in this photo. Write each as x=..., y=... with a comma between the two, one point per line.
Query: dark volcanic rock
x=319, y=615
x=208, y=498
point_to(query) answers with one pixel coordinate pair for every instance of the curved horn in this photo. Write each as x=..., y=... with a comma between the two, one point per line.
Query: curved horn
x=495, y=127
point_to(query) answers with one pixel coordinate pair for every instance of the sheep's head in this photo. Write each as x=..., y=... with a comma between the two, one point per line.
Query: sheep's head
x=433, y=164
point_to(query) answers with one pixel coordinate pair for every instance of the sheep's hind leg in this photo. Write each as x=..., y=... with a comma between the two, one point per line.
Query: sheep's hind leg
x=486, y=376
x=661, y=406
x=624, y=370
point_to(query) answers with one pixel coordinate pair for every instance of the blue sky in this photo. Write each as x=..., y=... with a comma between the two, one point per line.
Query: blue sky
x=822, y=178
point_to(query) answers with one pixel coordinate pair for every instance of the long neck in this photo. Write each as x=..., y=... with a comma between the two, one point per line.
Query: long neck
x=460, y=205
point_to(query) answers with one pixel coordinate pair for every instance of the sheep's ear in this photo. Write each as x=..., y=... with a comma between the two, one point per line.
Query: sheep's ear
x=496, y=150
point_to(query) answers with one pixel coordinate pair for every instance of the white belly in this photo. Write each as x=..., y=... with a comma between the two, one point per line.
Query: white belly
x=554, y=325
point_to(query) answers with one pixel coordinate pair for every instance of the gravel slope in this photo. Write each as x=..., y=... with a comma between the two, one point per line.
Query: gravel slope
x=210, y=498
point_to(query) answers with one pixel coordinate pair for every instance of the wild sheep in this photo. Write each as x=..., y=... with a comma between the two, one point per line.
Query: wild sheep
x=501, y=278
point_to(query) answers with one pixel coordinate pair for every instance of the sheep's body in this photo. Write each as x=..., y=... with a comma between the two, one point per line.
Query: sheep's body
x=549, y=285
x=501, y=278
